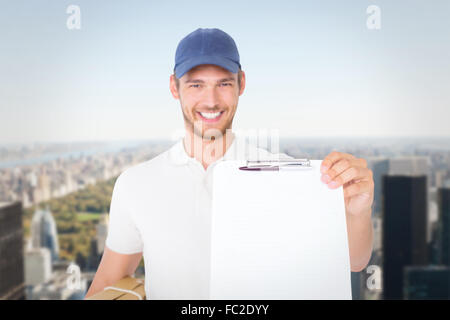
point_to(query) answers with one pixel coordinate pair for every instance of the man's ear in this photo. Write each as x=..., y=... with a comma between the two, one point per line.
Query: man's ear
x=173, y=87
x=241, y=89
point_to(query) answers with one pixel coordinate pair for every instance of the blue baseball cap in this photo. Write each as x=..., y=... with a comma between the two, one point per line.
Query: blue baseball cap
x=206, y=46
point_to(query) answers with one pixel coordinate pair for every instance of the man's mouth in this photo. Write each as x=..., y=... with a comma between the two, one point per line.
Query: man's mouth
x=210, y=116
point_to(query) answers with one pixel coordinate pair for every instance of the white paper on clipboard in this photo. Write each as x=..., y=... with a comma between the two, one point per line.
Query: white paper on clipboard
x=277, y=235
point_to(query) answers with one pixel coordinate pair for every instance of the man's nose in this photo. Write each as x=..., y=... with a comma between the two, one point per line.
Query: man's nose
x=210, y=97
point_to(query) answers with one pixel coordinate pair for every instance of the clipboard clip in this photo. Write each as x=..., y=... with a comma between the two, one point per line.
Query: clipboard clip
x=276, y=165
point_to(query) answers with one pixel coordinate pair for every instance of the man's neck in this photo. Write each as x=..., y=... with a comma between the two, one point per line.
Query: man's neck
x=207, y=151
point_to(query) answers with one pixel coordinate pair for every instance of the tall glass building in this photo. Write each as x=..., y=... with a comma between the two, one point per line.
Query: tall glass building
x=12, y=282
x=43, y=232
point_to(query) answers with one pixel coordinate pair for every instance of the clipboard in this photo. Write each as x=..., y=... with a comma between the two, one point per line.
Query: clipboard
x=279, y=234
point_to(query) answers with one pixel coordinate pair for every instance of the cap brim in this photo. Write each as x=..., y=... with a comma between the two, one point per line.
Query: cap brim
x=187, y=65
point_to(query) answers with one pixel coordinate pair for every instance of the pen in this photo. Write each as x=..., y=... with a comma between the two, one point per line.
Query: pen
x=272, y=168
x=281, y=162
x=296, y=164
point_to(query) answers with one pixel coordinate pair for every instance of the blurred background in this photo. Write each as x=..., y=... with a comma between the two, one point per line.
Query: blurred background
x=84, y=94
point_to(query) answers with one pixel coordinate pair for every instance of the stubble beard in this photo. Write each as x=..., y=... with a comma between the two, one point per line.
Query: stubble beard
x=196, y=127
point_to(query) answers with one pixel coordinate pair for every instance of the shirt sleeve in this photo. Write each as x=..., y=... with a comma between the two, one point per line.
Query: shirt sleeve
x=123, y=235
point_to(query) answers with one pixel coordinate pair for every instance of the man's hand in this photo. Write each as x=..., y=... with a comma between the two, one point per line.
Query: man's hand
x=343, y=169
x=357, y=180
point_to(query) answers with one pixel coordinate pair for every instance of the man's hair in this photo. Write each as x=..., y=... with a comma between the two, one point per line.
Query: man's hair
x=177, y=81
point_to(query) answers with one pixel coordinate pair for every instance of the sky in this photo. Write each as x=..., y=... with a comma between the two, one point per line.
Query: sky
x=313, y=68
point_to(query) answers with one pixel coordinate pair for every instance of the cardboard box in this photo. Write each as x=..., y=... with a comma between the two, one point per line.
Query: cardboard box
x=127, y=288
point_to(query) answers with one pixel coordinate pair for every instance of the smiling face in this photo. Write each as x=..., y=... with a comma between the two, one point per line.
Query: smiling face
x=208, y=96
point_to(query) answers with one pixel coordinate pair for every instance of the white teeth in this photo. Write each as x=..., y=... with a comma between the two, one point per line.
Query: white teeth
x=210, y=115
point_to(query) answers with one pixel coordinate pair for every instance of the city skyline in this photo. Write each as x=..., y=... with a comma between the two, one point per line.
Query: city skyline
x=175, y=134
x=55, y=182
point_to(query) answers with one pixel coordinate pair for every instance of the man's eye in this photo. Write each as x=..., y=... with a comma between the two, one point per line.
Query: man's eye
x=226, y=84
x=195, y=86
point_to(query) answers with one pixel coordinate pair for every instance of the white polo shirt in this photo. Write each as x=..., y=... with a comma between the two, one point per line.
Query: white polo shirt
x=162, y=207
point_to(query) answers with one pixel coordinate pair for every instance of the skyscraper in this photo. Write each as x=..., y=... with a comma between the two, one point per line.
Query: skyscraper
x=409, y=166
x=12, y=284
x=43, y=232
x=102, y=232
x=38, y=267
x=404, y=229
x=379, y=167
x=427, y=282
x=444, y=225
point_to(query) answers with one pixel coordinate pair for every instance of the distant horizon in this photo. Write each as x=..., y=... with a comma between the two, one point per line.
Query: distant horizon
x=154, y=139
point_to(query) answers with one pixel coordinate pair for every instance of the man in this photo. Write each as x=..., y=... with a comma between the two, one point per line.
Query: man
x=161, y=208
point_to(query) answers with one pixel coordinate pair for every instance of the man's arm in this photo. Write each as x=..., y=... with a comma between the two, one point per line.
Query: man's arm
x=360, y=240
x=113, y=267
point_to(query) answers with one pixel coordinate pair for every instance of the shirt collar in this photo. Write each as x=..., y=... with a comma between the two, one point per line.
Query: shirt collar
x=178, y=155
